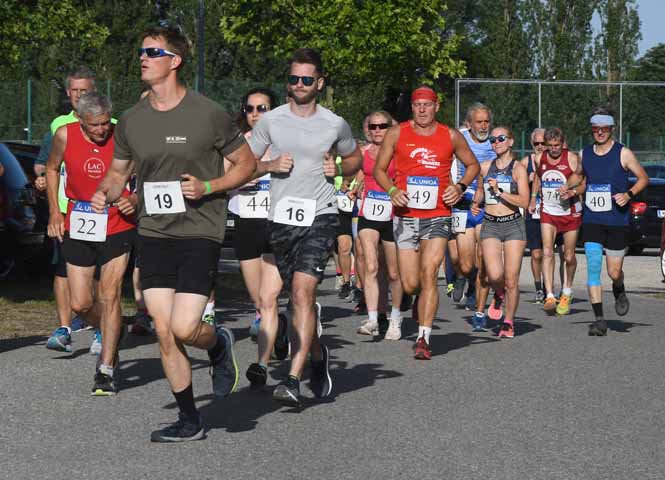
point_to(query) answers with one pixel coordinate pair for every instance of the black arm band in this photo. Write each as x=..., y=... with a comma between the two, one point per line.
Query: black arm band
x=462, y=186
x=630, y=194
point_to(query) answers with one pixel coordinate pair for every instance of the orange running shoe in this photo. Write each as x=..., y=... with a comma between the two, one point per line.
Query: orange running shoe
x=422, y=350
x=550, y=305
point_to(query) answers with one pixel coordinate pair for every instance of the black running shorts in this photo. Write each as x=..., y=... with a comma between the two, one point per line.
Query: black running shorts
x=251, y=239
x=91, y=254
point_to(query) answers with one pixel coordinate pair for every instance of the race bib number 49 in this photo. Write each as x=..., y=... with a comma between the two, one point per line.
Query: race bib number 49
x=163, y=198
x=599, y=197
x=377, y=206
x=86, y=225
x=299, y=212
x=422, y=192
x=255, y=203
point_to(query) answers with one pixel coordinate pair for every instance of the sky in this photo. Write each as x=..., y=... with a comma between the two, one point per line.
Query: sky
x=652, y=14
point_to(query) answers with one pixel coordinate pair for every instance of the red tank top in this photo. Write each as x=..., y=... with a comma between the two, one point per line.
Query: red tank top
x=559, y=173
x=86, y=164
x=423, y=156
x=370, y=182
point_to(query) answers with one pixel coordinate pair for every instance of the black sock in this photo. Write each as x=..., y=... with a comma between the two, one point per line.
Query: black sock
x=216, y=351
x=185, y=401
x=618, y=288
x=597, y=310
x=472, y=277
x=539, y=286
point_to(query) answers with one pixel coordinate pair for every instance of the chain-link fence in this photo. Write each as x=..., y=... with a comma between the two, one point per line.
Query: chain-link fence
x=524, y=105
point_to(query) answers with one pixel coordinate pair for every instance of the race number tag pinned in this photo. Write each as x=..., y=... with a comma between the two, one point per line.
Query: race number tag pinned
x=255, y=203
x=377, y=206
x=299, y=212
x=536, y=211
x=459, y=221
x=599, y=197
x=551, y=195
x=86, y=225
x=423, y=192
x=502, y=182
x=344, y=203
x=163, y=198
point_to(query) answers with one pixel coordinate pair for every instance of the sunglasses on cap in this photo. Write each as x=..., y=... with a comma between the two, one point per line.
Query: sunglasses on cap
x=307, y=81
x=601, y=129
x=380, y=126
x=498, y=138
x=259, y=108
x=154, y=52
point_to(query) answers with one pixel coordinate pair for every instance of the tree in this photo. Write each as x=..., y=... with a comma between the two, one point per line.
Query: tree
x=616, y=46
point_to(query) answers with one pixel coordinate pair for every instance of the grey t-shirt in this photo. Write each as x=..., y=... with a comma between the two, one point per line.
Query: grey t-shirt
x=307, y=139
x=190, y=138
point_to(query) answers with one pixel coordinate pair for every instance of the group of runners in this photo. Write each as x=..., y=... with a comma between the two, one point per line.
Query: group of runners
x=161, y=180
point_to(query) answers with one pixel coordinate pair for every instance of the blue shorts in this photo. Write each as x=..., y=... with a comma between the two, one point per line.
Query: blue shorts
x=473, y=221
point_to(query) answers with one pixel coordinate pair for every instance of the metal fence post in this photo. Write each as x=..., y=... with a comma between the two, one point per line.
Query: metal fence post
x=621, y=111
x=29, y=110
x=457, y=82
x=540, y=122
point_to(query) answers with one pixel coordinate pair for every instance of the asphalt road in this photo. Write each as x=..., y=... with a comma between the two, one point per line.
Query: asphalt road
x=552, y=403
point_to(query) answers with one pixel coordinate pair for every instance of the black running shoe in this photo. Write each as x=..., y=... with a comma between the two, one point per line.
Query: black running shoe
x=224, y=369
x=458, y=292
x=282, y=339
x=104, y=385
x=598, y=328
x=621, y=304
x=344, y=291
x=186, y=429
x=257, y=375
x=288, y=392
x=321, y=383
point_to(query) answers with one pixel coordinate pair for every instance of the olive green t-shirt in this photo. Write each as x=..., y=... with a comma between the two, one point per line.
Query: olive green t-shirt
x=193, y=137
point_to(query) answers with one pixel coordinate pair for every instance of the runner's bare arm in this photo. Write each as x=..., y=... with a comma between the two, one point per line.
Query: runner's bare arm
x=352, y=162
x=56, y=224
x=521, y=198
x=383, y=158
x=453, y=193
x=479, y=195
x=576, y=183
x=632, y=164
x=535, y=190
x=113, y=184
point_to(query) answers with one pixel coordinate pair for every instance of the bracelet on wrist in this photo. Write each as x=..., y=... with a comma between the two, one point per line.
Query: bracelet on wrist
x=392, y=190
x=340, y=170
x=462, y=186
x=208, y=187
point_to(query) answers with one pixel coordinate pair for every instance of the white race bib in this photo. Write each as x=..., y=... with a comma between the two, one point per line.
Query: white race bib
x=163, y=198
x=86, y=225
x=344, y=203
x=459, y=221
x=423, y=192
x=551, y=194
x=536, y=212
x=377, y=206
x=299, y=212
x=255, y=203
x=599, y=197
x=503, y=182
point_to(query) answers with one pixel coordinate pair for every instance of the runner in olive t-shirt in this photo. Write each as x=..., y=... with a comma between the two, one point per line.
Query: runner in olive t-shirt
x=176, y=139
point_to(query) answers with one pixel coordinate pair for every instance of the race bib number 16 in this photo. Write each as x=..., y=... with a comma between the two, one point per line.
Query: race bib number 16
x=295, y=211
x=163, y=198
x=422, y=192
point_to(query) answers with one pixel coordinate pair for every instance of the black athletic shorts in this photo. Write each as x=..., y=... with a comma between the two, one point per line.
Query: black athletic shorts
x=252, y=238
x=61, y=264
x=184, y=265
x=303, y=249
x=385, y=229
x=609, y=236
x=534, y=240
x=345, y=224
x=96, y=254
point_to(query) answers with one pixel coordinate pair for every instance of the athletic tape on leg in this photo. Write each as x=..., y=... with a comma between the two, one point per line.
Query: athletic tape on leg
x=594, y=263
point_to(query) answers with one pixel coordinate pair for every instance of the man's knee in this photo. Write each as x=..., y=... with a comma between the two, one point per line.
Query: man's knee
x=537, y=255
x=548, y=252
x=81, y=305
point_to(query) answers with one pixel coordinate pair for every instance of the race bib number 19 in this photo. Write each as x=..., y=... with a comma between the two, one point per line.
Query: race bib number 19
x=299, y=212
x=163, y=198
x=255, y=203
x=599, y=197
x=423, y=192
x=377, y=206
x=86, y=225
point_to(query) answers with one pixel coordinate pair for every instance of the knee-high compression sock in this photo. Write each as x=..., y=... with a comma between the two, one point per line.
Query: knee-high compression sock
x=618, y=287
x=594, y=263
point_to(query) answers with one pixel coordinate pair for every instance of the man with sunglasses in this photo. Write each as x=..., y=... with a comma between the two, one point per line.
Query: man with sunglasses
x=303, y=210
x=176, y=140
x=422, y=194
x=607, y=164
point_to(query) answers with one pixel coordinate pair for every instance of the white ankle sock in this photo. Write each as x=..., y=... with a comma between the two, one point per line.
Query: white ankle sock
x=424, y=332
x=373, y=316
x=395, y=313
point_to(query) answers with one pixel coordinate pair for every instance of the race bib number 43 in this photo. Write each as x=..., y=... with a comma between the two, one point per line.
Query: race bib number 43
x=299, y=212
x=255, y=203
x=422, y=192
x=86, y=225
x=599, y=197
x=377, y=206
x=163, y=198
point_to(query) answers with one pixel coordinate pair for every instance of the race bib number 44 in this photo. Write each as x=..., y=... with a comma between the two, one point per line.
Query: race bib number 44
x=255, y=203
x=86, y=225
x=163, y=198
x=599, y=197
x=299, y=212
x=377, y=206
x=423, y=192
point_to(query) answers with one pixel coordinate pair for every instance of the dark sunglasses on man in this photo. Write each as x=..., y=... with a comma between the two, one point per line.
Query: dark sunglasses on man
x=259, y=108
x=379, y=126
x=538, y=144
x=307, y=81
x=154, y=52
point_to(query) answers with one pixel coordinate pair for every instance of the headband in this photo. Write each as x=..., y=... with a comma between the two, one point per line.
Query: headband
x=602, y=120
x=424, y=93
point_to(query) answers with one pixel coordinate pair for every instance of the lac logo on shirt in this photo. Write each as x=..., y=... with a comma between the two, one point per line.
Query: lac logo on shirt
x=94, y=167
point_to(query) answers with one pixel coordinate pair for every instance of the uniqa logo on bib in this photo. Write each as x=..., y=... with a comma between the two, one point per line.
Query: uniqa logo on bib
x=94, y=167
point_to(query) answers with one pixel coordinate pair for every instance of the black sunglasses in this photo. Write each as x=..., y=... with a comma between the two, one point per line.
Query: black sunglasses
x=498, y=138
x=259, y=108
x=538, y=144
x=380, y=126
x=307, y=81
x=154, y=52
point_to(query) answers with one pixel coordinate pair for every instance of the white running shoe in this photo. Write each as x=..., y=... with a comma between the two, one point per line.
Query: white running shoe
x=369, y=327
x=394, y=331
x=319, y=327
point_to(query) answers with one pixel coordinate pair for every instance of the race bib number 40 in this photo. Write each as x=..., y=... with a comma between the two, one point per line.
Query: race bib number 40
x=344, y=203
x=86, y=225
x=163, y=198
x=299, y=212
x=255, y=203
x=423, y=192
x=377, y=206
x=599, y=197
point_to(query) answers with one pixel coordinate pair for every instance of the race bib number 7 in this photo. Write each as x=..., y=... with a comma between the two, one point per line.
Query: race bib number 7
x=163, y=198
x=86, y=225
x=423, y=192
x=599, y=197
x=299, y=212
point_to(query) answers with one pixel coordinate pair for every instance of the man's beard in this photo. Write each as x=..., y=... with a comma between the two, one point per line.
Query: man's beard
x=303, y=100
x=481, y=136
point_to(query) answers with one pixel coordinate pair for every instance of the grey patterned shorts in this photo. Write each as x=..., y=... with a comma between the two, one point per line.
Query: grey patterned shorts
x=410, y=231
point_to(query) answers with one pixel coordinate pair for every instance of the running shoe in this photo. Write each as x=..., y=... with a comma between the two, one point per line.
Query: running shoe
x=550, y=305
x=78, y=324
x=344, y=291
x=458, y=289
x=288, y=392
x=394, y=331
x=540, y=297
x=383, y=323
x=320, y=382
x=224, y=369
x=104, y=385
x=563, y=308
x=449, y=289
x=621, y=304
x=507, y=330
x=368, y=327
x=254, y=328
x=339, y=281
x=319, y=326
x=598, y=328
x=186, y=429
x=495, y=311
x=405, y=306
x=357, y=295
x=257, y=375
x=60, y=341
x=142, y=324
x=96, y=345
x=361, y=306
x=422, y=350
x=479, y=322
x=282, y=340
x=209, y=318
